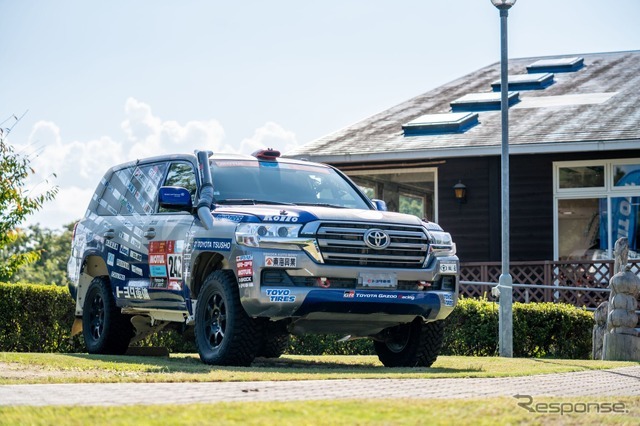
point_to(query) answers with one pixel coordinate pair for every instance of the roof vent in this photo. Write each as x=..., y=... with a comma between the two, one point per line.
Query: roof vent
x=482, y=101
x=526, y=82
x=440, y=123
x=556, y=65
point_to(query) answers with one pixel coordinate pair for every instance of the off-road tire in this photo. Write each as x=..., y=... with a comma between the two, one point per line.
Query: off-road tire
x=275, y=340
x=412, y=345
x=105, y=329
x=225, y=334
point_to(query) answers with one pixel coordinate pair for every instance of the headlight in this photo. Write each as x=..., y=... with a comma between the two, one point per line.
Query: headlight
x=442, y=244
x=250, y=234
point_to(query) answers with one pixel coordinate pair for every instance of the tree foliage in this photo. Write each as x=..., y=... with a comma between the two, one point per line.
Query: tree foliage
x=16, y=203
x=53, y=248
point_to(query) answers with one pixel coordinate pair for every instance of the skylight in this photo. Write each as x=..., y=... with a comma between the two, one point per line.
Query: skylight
x=482, y=101
x=526, y=82
x=440, y=123
x=556, y=65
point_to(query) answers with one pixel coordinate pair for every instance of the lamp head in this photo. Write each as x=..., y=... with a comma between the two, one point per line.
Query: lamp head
x=503, y=4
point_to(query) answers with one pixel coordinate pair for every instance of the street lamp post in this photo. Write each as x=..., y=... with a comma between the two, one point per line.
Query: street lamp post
x=505, y=282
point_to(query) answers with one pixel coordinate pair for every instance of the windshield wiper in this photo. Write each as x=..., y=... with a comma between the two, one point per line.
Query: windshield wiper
x=251, y=201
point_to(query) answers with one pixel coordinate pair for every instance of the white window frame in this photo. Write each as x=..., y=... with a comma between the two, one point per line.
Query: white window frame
x=433, y=170
x=609, y=191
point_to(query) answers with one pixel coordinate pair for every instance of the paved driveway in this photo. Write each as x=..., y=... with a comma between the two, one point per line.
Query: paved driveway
x=616, y=382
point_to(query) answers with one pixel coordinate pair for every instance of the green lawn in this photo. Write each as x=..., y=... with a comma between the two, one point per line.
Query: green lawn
x=491, y=411
x=82, y=368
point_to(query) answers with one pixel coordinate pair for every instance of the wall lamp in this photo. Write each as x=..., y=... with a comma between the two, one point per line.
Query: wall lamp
x=460, y=192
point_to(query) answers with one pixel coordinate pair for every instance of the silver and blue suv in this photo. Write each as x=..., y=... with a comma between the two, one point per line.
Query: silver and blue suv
x=251, y=249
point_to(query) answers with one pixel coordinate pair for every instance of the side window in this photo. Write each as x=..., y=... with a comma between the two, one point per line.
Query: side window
x=110, y=202
x=183, y=175
x=141, y=190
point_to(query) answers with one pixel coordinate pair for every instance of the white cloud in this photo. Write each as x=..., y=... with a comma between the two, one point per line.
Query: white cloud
x=79, y=165
x=271, y=135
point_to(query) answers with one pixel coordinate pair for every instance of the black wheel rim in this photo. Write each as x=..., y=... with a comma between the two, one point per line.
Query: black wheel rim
x=97, y=317
x=400, y=340
x=215, y=320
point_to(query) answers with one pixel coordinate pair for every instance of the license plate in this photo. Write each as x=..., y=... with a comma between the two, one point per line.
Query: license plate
x=387, y=280
x=448, y=268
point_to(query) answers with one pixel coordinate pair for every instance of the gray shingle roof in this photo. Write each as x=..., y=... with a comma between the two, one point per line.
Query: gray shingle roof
x=594, y=108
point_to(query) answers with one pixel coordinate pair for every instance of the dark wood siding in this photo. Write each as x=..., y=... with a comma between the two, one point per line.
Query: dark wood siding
x=468, y=223
x=476, y=225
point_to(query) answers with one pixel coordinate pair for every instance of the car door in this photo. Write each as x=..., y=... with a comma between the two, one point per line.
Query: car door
x=166, y=237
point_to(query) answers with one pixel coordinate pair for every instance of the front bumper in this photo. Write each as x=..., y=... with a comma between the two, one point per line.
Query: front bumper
x=321, y=293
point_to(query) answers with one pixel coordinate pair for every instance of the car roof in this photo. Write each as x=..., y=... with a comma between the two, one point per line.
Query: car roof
x=216, y=156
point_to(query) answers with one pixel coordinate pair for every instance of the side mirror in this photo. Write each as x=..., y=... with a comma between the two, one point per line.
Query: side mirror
x=380, y=205
x=175, y=198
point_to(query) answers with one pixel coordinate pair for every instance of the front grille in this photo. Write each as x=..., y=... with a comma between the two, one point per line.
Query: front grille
x=342, y=243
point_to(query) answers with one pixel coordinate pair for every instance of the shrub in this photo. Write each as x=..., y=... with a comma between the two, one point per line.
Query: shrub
x=539, y=330
x=328, y=344
x=38, y=318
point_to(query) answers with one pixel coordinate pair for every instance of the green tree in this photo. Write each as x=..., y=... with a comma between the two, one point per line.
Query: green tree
x=16, y=203
x=53, y=247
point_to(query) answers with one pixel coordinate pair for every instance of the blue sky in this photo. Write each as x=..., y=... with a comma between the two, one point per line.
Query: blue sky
x=106, y=82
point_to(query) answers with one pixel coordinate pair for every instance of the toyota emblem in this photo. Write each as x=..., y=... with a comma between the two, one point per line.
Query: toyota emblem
x=377, y=239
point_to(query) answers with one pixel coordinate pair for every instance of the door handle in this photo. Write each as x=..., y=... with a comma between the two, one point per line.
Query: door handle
x=109, y=234
x=150, y=233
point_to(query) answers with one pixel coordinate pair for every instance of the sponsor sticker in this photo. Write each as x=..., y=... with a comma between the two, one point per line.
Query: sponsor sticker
x=448, y=299
x=135, y=256
x=229, y=217
x=111, y=244
x=122, y=264
x=222, y=244
x=158, y=282
x=136, y=243
x=280, y=261
x=244, y=266
x=157, y=270
x=165, y=262
x=110, y=259
x=138, y=293
x=136, y=270
x=280, y=295
x=117, y=276
x=291, y=219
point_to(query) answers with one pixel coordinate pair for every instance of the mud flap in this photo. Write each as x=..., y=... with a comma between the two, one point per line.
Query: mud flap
x=76, y=328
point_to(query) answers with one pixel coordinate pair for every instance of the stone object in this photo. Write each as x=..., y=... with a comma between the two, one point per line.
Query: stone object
x=621, y=340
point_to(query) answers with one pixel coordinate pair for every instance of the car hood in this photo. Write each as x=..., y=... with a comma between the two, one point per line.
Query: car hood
x=304, y=214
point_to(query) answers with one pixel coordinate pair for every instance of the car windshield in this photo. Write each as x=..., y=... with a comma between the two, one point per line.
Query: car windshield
x=272, y=182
